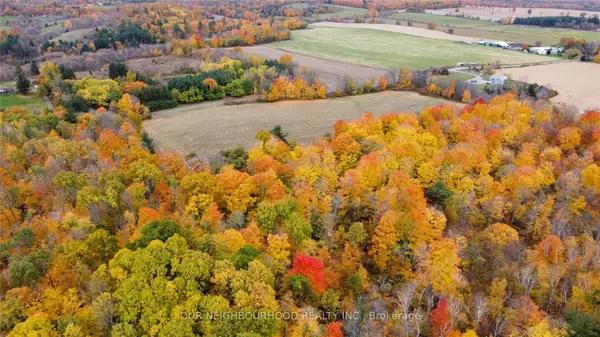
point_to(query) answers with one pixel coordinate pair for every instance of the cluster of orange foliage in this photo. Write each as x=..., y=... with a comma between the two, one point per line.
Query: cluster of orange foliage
x=479, y=219
x=284, y=88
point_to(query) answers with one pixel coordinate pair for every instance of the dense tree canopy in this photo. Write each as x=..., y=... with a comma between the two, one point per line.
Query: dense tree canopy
x=482, y=219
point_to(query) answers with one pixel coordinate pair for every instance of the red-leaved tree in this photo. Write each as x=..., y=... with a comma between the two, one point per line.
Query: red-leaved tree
x=311, y=268
x=334, y=329
x=440, y=319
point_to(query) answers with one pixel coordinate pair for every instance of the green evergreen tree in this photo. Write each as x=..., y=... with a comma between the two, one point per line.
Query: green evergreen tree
x=23, y=83
x=35, y=70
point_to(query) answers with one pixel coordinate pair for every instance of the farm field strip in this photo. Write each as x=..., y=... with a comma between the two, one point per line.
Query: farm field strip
x=364, y=46
x=205, y=129
x=498, y=13
x=493, y=31
x=345, y=11
x=441, y=19
x=416, y=31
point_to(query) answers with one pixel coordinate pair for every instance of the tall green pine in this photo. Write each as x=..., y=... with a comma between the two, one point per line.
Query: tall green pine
x=23, y=83
x=35, y=70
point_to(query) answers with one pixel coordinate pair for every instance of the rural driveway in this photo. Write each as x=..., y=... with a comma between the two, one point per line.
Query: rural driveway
x=476, y=78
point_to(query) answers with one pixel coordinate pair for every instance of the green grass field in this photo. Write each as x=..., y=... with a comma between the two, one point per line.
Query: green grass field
x=495, y=31
x=440, y=20
x=340, y=11
x=6, y=21
x=545, y=35
x=345, y=12
x=387, y=49
x=31, y=102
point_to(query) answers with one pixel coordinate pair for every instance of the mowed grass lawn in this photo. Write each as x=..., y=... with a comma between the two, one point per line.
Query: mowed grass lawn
x=389, y=50
x=31, y=101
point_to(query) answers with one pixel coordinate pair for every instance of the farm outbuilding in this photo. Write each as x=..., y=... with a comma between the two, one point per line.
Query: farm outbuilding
x=499, y=44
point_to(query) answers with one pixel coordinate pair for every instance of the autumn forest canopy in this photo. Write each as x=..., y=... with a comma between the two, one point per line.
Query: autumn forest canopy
x=481, y=219
x=477, y=217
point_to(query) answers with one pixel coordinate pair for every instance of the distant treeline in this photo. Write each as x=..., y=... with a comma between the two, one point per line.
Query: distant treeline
x=560, y=21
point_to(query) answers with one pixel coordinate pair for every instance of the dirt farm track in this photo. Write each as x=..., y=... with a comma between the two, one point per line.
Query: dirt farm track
x=209, y=127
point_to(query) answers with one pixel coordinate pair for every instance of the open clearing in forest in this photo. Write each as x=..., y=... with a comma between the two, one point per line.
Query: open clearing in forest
x=577, y=83
x=385, y=49
x=497, y=13
x=329, y=71
x=163, y=67
x=75, y=35
x=206, y=128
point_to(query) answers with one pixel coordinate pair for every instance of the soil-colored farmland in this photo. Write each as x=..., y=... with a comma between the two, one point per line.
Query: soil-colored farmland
x=577, y=83
x=329, y=71
x=385, y=49
x=209, y=127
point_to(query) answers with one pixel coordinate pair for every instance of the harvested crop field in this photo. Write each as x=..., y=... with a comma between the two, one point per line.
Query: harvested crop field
x=385, y=49
x=329, y=71
x=577, y=83
x=416, y=31
x=209, y=127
